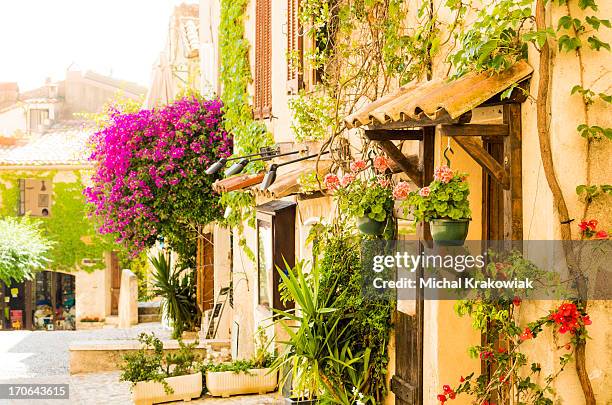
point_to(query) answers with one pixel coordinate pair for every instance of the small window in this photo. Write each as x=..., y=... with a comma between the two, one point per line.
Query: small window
x=262, y=95
x=275, y=248
x=35, y=197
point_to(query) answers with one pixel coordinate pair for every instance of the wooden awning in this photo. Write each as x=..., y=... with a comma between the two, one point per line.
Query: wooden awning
x=437, y=101
x=238, y=182
x=288, y=183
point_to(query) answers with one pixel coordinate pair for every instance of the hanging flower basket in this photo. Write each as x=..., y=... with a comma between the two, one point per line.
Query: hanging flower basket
x=370, y=226
x=449, y=232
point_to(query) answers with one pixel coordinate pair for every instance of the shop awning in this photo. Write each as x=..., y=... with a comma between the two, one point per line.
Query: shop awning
x=289, y=183
x=437, y=101
x=238, y=182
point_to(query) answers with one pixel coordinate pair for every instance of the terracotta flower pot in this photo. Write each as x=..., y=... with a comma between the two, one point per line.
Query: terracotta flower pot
x=449, y=232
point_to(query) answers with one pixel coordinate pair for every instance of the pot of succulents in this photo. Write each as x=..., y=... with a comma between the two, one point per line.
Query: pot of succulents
x=243, y=376
x=365, y=197
x=159, y=376
x=444, y=204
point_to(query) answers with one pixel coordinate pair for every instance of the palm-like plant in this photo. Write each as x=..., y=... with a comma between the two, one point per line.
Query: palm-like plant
x=314, y=334
x=177, y=288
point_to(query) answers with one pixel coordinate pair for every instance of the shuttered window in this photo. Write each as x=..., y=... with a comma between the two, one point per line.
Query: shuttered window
x=295, y=50
x=262, y=97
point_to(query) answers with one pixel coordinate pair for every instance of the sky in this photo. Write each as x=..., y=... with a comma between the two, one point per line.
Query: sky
x=42, y=38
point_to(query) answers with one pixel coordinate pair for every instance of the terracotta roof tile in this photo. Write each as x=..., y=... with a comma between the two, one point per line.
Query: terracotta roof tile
x=438, y=98
x=63, y=144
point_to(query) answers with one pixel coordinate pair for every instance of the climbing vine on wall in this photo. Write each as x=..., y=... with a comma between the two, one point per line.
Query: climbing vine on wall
x=249, y=135
x=68, y=226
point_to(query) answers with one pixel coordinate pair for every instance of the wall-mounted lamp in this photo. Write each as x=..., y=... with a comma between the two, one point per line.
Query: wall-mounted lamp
x=270, y=176
x=240, y=165
x=220, y=164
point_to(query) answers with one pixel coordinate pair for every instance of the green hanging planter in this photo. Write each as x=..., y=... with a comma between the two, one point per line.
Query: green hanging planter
x=370, y=226
x=449, y=232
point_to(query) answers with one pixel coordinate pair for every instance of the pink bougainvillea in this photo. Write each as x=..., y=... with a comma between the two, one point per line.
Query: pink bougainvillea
x=149, y=170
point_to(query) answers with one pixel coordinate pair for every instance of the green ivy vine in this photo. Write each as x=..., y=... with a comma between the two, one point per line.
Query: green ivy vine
x=68, y=226
x=249, y=135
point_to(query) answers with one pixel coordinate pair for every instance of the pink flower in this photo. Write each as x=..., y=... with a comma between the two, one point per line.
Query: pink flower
x=347, y=179
x=331, y=181
x=383, y=182
x=424, y=192
x=401, y=190
x=358, y=166
x=443, y=174
x=381, y=163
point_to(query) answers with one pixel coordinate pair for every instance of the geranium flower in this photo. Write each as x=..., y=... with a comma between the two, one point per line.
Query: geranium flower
x=358, y=166
x=401, y=190
x=424, y=192
x=381, y=163
x=347, y=179
x=443, y=174
x=331, y=181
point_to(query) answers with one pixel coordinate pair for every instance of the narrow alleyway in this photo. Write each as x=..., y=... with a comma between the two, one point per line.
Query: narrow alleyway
x=42, y=357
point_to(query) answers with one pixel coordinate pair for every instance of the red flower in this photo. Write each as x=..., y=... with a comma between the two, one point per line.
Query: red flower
x=601, y=235
x=358, y=166
x=331, y=181
x=516, y=301
x=568, y=317
x=527, y=334
x=401, y=190
x=442, y=398
x=586, y=320
x=381, y=163
x=486, y=355
x=452, y=395
x=446, y=388
x=443, y=174
x=592, y=224
x=461, y=379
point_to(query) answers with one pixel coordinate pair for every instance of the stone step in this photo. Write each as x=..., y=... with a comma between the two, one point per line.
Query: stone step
x=148, y=308
x=112, y=320
x=144, y=318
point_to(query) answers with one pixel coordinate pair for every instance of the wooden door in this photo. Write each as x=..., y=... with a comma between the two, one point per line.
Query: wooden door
x=205, y=261
x=115, y=283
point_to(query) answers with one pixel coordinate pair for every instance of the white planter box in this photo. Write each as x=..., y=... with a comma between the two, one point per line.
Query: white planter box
x=226, y=383
x=185, y=388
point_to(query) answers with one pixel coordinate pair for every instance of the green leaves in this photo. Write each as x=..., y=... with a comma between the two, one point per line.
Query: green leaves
x=568, y=44
x=23, y=249
x=595, y=22
x=594, y=132
x=590, y=192
x=596, y=44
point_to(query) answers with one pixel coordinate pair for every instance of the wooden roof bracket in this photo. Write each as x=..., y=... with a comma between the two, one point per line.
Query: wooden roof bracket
x=409, y=164
x=484, y=159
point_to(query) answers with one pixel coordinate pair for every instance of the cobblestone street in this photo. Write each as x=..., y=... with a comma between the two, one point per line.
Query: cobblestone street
x=42, y=357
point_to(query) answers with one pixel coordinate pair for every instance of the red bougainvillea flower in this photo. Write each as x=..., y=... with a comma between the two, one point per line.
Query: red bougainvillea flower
x=568, y=318
x=331, y=181
x=424, y=192
x=516, y=301
x=358, y=166
x=401, y=190
x=446, y=388
x=381, y=163
x=461, y=379
x=452, y=395
x=347, y=179
x=443, y=174
x=527, y=334
x=442, y=398
x=484, y=355
x=601, y=235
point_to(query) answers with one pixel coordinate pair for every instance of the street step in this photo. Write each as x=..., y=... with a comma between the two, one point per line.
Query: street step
x=145, y=318
x=149, y=312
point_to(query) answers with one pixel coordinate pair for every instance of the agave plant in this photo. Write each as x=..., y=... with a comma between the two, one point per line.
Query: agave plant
x=177, y=288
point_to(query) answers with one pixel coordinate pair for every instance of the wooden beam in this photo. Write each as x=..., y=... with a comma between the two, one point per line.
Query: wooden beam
x=480, y=155
x=513, y=196
x=422, y=122
x=410, y=165
x=474, y=130
x=394, y=134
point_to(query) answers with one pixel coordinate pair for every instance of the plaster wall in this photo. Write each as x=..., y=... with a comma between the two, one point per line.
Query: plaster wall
x=13, y=120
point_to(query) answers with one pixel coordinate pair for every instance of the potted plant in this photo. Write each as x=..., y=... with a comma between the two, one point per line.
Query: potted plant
x=367, y=198
x=444, y=204
x=177, y=288
x=161, y=377
x=243, y=376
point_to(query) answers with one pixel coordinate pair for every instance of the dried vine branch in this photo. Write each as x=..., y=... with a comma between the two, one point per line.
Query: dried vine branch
x=543, y=126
